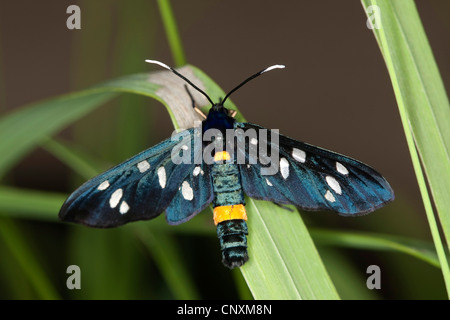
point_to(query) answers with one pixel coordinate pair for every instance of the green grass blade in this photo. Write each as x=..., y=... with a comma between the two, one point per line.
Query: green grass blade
x=284, y=263
x=88, y=66
x=13, y=239
x=23, y=129
x=30, y=204
x=424, y=109
x=75, y=159
x=135, y=20
x=39, y=205
x=172, y=34
x=165, y=252
x=241, y=285
x=110, y=263
x=28, y=126
x=421, y=250
x=348, y=278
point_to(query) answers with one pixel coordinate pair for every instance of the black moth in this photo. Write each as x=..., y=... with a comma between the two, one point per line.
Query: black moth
x=308, y=177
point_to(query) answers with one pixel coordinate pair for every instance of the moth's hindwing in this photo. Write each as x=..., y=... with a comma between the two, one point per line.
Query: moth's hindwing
x=313, y=178
x=194, y=194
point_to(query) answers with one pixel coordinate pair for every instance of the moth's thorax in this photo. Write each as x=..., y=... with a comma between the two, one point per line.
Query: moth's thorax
x=218, y=118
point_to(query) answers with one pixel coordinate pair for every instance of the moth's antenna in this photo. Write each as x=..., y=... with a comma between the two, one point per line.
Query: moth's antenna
x=181, y=76
x=276, y=66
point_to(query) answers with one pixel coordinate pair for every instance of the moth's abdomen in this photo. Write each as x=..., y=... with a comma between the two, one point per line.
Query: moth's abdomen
x=232, y=236
x=229, y=211
x=227, y=185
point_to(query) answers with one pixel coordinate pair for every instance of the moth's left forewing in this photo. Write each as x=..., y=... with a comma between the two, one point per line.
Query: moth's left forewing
x=140, y=188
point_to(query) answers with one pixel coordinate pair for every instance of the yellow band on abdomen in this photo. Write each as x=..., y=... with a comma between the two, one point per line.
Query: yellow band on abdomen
x=224, y=213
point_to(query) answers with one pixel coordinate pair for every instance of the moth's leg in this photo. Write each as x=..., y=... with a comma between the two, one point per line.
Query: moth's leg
x=232, y=113
x=200, y=112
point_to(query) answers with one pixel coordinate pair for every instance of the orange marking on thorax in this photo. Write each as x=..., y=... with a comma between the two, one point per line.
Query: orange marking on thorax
x=224, y=213
x=221, y=155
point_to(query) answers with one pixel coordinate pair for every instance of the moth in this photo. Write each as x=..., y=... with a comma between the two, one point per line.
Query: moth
x=186, y=173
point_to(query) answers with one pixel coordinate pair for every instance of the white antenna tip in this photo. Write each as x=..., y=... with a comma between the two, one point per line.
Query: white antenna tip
x=276, y=66
x=159, y=63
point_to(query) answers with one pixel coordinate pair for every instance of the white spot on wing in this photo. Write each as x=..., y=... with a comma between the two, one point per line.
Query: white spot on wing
x=143, y=166
x=341, y=169
x=197, y=171
x=115, y=198
x=124, y=207
x=284, y=168
x=187, y=191
x=299, y=155
x=332, y=182
x=104, y=185
x=329, y=196
x=269, y=183
x=162, y=177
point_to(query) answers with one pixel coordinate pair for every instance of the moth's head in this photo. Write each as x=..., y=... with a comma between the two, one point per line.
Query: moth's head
x=218, y=110
x=218, y=107
x=218, y=118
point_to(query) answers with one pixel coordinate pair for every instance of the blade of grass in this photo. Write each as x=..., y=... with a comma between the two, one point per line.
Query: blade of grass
x=172, y=34
x=88, y=66
x=14, y=285
x=28, y=126
x=166, y=254
x=241, y=285
x=109, y=261
x=30, y=204
x=75, y=159
x=350, y=281
x=424, y=109
x=284, y=262
x=44, y=206
x=13, y=239
x=136, y=37
x=40, y=205
x=421, y=250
